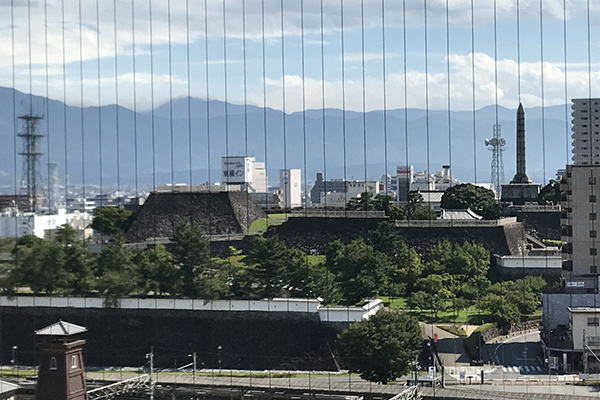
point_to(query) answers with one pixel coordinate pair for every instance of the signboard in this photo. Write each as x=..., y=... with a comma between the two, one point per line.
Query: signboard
x=578, y=284
x=462, y=375
x=553, y=362
x=404, y=170
x=236, y=170
x=431, y=373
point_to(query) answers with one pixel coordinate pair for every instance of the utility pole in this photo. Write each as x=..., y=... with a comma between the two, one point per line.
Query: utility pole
x=585, y=358
x=193, y=355
x=150, y=357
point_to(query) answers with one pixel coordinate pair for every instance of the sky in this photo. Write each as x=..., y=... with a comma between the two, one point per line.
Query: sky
x=361, y=55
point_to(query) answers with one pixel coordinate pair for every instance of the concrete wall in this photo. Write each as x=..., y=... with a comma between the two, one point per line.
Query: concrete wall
x=122, y=337
x=313, y=235
x=554, y=307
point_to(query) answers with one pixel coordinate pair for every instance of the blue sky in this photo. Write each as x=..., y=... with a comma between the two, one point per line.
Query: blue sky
x=161, y=60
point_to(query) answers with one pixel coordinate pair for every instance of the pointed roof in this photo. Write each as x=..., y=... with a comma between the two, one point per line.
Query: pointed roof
x=520, y=107
x=61, y=328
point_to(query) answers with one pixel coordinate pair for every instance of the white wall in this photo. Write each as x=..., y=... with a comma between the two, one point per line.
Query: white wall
x=311, y=306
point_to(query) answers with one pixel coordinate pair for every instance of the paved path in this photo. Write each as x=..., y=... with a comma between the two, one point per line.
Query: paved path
x=450, y=347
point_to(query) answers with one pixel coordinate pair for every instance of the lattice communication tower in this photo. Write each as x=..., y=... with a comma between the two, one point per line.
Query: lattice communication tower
x=31, y=156
x=496, y=146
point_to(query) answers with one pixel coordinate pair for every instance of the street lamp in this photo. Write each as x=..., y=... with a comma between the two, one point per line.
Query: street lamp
x=14, y=360
x=219, y=348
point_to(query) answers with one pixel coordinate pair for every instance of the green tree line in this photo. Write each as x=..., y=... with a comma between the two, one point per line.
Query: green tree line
x=456, y=277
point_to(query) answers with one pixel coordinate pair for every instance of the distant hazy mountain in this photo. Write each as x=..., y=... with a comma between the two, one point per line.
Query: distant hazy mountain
x=169, y=149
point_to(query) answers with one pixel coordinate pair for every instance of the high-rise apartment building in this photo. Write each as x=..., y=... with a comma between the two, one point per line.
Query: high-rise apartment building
x=580, y=191
x=586, y=131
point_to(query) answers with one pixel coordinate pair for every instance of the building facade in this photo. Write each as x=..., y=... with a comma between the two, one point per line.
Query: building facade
x=242, y=170
x=579, y=225
x=586, y=131
x=290, y=185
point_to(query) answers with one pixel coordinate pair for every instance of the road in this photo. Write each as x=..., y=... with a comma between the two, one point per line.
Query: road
x=517, y=356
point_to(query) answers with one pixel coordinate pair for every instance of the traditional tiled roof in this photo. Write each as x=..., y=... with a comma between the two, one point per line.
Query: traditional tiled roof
x=61, y=328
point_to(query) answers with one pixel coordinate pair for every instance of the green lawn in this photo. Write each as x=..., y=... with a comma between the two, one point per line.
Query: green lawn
x=259, y=226
x=470, y=316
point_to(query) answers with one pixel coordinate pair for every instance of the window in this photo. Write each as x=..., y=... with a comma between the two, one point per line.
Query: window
x=592, y=198
x=593, y=269
x=593, y=321
x=593, y=251
x=592, y=216
x=593, y=341
x=53, y=364
x=73, y=361
x=593, y=234
x=592, y=180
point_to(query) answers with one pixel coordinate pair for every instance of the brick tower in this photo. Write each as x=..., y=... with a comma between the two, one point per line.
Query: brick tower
x=61, y=375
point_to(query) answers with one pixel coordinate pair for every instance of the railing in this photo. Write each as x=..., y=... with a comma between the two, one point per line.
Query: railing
x=137, y=384
x=455, y=223
x=337, y=213
x=408, y=393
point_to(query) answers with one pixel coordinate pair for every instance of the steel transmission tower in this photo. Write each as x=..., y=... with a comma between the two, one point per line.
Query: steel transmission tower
x=31, y=156
x=496, y=146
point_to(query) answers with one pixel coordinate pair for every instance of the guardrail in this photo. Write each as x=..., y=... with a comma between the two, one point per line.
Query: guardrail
x=337, y=213
x=455, y=223
x=128, y=386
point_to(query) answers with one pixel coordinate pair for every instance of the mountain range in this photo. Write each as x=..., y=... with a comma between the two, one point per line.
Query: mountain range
x=184, y=140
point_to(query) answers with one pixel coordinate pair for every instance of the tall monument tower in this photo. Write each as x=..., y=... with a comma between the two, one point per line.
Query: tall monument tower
x=521, y=189
x=61, y=374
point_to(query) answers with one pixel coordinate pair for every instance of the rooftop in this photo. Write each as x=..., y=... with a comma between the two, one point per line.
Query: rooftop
x=61, y=328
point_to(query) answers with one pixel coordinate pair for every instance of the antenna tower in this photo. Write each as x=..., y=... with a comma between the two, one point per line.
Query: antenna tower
x=31, y=156
x=496, y=146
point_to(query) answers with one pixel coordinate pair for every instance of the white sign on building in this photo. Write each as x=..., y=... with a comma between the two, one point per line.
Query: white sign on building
x=236, y=169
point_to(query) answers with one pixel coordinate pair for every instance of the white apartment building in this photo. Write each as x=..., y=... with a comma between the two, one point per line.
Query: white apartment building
x=43, y=226
x=586, y=131
x=290, y=186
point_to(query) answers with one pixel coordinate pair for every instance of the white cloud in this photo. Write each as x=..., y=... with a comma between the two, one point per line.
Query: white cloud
x=37, y=27
x=461, y=87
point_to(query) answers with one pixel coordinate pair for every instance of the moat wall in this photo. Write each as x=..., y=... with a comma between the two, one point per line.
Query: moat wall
x=118, y=337
x=313, y=235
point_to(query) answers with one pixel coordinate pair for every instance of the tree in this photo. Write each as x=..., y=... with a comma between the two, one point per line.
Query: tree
x=381, y=348
x=477, y=198
x=79, y=262
x=191, y=255
x=464, y=261
x=116, y=272
x=157, y=271
x=312, y=279
x=499, y=309
x=111, y=221
x=360, y=270
x=39, y=264
x=550, y=194
x=424, y=213
x=364, y=202
x=268, y=260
